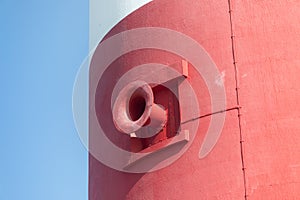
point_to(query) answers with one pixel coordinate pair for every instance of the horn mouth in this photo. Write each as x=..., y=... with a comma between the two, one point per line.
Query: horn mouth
x=134, y=107
x=137, y=103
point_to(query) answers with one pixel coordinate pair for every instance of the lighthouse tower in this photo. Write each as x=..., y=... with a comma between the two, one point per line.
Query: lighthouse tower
x=194, y=99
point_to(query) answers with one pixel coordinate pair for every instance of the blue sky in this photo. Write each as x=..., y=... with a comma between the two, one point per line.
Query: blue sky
x=42, y=44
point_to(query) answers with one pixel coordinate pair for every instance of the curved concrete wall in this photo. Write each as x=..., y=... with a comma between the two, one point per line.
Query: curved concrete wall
x=255, y=45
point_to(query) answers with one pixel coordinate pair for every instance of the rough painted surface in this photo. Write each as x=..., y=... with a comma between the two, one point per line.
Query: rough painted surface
x=268, y=62
x=264, y=66
x=218, y=177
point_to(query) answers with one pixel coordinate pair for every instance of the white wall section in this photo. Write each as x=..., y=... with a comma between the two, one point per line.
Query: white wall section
x=105, y=14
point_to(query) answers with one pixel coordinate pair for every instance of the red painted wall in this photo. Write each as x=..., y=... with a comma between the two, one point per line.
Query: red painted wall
x=256, y=46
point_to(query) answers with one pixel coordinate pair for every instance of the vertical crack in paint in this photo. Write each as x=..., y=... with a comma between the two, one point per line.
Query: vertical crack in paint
x=237, y=97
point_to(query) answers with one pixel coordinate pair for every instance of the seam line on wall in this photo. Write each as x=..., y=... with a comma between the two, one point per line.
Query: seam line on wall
x=237, y=97
x=210, y=114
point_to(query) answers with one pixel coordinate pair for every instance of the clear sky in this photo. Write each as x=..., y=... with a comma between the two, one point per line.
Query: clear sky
x=42, y=44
